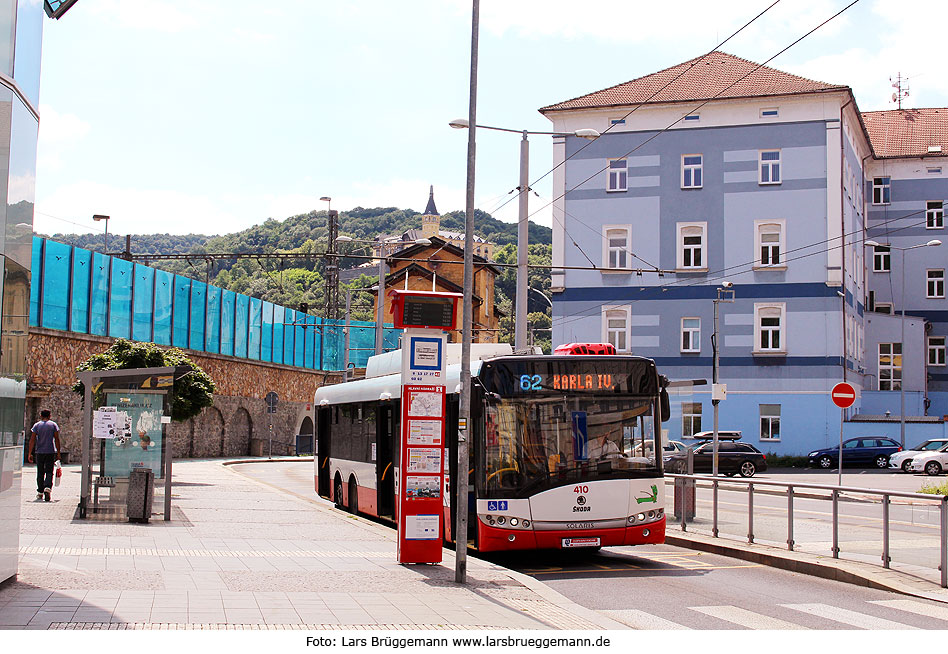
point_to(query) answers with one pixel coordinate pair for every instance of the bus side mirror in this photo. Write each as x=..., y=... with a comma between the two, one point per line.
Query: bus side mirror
x=666, y=405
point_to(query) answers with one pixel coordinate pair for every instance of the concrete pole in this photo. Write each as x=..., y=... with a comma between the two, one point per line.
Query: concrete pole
x=523, y=238
x=464, y=410
x=380, y=308
x=345, y=359
x=902, y=360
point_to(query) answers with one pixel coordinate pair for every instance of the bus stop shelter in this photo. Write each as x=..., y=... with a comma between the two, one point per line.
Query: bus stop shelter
x=124, y=413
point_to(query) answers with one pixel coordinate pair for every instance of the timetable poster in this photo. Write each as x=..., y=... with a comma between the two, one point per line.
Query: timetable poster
x=424, y=432
x=142, y=447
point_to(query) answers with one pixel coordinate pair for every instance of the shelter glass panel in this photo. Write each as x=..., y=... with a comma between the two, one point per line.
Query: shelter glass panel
x=99, y=310
x=120, y=302
x=212, y=340
x=256, y=326
x=278, y=333
x=266, y=340
x=300, y=344
x=289, y=335
x=181, y=311
x=35, y=279
x=241, y=316
x=227, y=321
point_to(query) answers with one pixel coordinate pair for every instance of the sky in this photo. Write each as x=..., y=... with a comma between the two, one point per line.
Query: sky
x=210, y=117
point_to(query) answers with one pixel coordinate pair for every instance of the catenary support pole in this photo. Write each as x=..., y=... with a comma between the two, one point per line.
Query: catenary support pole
x=523, y=239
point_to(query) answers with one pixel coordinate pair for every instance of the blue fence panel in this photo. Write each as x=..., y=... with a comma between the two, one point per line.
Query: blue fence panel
x=256, y=328
x=181, y=311
x=299, y=347
x=227, y=321
x=312, y=343
x=99, y=305
x=279, y=330
x=56, y=285
x=120, y=301
x=241, y=325
x=164, y=292
x=289, y=335
x=79, y=292
x=266, y=336
x=198, y=308
x=143, y=314
x=35, y=280
x=212, y=340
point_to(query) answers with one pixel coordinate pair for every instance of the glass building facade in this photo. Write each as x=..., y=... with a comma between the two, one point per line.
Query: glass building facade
x=21, y=33
x=73, y=289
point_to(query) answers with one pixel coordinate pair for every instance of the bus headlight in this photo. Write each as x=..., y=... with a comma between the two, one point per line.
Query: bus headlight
x=525, y=524
x=501, y=520
x=640, y=517
x=514, y=522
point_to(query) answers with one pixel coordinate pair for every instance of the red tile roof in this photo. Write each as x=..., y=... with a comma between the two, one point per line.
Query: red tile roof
x=907, y=132
x=716, y=75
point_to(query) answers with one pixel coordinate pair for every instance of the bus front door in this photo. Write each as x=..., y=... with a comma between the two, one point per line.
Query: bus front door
x=323, y=425
x=385, y=463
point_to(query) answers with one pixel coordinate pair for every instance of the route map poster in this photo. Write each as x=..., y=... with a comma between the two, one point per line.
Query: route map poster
x=141, y=448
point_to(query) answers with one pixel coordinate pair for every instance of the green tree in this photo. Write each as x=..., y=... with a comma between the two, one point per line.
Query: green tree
x=192, y=391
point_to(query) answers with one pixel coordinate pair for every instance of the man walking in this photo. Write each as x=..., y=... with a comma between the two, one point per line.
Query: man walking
x=44, y=441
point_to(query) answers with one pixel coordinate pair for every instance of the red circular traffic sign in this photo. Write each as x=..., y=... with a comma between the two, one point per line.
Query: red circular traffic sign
x=844, y=395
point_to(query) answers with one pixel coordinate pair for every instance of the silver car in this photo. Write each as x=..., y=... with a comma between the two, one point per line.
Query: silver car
x=903, y=460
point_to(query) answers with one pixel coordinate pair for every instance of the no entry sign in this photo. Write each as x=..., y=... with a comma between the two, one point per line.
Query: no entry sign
x=844, y=395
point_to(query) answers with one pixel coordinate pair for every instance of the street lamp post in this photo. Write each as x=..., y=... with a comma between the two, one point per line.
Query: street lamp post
x=97, y=217
x=523, y=225
x=932, y=243
x=725, y=294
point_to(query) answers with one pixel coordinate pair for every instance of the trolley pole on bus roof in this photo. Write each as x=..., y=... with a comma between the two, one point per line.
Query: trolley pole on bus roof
x=464, y=410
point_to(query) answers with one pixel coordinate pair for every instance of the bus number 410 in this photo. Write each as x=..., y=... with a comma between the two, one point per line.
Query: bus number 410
x=581, y=489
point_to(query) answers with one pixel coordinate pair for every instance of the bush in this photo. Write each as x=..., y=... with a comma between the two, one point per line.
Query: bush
x=192, y=391
x=933, y=489
x=784, y=461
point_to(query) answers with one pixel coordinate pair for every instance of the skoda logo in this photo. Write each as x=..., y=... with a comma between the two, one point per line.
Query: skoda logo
x=581, y=500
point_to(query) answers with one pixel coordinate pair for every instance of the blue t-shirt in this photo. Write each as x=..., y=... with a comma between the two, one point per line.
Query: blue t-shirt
x=45, y=430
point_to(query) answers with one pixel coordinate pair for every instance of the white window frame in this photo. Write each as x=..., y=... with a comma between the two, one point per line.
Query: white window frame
x=892, y=383
x=762, y=227
x=616, y=120
x=883, y=305
x=621, y=332
x=934, y=215
x=936, y=347
x=770, y=165
x=691, y=168
x=617, y=179
x=691, y=334
x=690, y=411
x=690, y=230
x=882, y=259
x=608, y=249
x=770, y=310
x=771, y=418
x=775, y=114
x=884, y=187
x=935, y=283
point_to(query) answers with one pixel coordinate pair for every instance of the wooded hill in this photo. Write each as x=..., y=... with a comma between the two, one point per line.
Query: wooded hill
x=290, y=281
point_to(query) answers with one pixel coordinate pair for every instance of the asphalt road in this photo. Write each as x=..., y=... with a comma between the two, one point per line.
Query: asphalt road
x=665, y=587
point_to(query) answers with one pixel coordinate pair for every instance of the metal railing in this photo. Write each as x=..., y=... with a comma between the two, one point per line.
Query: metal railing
x=834, y=494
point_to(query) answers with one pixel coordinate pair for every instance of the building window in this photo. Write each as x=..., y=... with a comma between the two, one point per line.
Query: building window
x=691, y=334
x=690, y=419
x=890, y=366
x=936, y=350
x=693, y=117
x=770, y=245
x=691, y=246
x=617, y=121
x=880, y=190
x=691, y=169
x=617, y=246
x=616, y=327
x=881, y=258
x=769, y=112
x=934, y=170
x=770, y=422
x=935, y=286
x=883, y=307
x=769, y=328
x=769, y=167
x=618, y=175
x=934, y=215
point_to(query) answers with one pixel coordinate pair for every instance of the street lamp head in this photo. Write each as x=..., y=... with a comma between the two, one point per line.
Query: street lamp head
x=933, y=243
x=726, y=284
x=422, y=241
x=343, y=239
x=325, y=198
x=99, y=217
x=460, y=123
x=871, y=244
x=587, y=133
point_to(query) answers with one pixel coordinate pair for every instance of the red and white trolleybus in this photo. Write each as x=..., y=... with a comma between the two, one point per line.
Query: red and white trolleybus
x=562, y=447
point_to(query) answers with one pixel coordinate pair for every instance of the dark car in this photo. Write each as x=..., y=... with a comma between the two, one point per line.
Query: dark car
x=866, y=451
x=734, y=458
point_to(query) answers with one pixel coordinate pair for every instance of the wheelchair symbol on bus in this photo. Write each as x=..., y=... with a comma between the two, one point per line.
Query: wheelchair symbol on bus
x=495, y=505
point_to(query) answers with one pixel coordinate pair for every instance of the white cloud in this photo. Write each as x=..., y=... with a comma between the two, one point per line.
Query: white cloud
x=58, y=132
x=154, y=15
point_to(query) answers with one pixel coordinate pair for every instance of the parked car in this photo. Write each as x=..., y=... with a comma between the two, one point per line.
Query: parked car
x=734, y=458
x=931, y=463
x=903, y=460
x=674, y=446
x=872, y=450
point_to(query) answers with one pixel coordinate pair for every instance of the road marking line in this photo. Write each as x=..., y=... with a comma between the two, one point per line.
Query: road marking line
x=852, y=618
x=745, y=618
x=938, y=612
x=641, y=620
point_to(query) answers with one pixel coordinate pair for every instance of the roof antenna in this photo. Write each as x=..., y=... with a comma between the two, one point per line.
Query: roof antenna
x=900, y=84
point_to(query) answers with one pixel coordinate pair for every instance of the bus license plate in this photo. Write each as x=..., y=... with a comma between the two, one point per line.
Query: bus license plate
x=581, y=542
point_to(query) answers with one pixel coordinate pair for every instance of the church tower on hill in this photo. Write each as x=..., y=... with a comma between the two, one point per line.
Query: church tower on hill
x=431, y=219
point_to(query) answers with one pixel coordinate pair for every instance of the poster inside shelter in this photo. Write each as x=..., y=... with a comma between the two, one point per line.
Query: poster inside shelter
x=141, y=448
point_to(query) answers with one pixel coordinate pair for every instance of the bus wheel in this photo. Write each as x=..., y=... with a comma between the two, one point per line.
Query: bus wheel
x=353, y=497
x=337, y=494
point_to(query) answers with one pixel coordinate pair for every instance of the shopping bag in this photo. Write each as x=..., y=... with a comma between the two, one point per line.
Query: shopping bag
x=58, y=473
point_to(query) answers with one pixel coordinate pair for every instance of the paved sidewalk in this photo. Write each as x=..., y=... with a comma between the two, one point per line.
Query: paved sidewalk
x=239, y=554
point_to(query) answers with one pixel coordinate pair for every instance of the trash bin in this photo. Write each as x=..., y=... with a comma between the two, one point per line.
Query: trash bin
x=684, y=498
x=141, y=492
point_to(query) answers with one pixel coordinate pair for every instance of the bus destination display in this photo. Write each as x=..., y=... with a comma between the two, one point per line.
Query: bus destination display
x=428, y=312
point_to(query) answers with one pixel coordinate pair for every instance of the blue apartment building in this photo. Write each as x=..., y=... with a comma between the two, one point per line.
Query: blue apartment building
x=721, y=170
